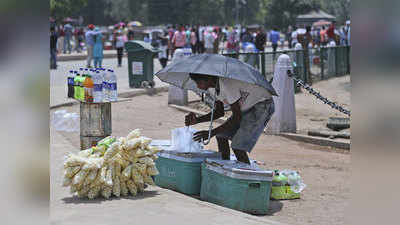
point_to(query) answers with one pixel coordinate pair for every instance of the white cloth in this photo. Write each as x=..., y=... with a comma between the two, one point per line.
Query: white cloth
x=294, y=37
x=284, y=118
x=232, y=90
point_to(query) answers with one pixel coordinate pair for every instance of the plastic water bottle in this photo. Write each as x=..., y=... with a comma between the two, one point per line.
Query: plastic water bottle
x=98, y=87
x=106, y=87
x=70, y=83
x=112, y=83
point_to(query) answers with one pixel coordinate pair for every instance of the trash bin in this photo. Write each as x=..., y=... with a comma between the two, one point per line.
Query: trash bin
x=140, y=63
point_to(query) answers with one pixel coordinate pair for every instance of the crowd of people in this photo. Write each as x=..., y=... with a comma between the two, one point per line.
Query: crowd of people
x=200, y=39
x=319, y=36
x=66, y=38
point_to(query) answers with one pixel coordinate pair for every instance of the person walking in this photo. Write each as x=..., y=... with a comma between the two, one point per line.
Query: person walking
x=323, y=36
x=119, y=45
x=274, y=37
x=232, y=45
x=217, y=37
x=201, y=33
x=179, y=38
x=67, y=38
x=98, y=49
x=53, y=48
x=89, y=36
x=331, y=32
x=294, y=37
x=60, y=42
x=163, y=46
x=209, y=41
x=193, y=40
x=188, y=33
x=288, y=37
x=261, y=39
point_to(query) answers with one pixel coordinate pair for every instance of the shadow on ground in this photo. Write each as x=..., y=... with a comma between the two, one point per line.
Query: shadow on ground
x=76, y=200
x=274, y=207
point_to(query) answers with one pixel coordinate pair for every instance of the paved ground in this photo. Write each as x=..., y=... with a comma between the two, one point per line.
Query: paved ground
x=325, y=171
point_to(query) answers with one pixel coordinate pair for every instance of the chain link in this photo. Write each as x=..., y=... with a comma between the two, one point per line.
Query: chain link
x=333, y=105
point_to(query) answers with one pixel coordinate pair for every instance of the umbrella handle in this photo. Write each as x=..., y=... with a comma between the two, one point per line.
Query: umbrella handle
x=211, y=121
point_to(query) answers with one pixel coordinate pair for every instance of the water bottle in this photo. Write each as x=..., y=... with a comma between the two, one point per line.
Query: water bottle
x=76, y=85
x=112, y=83
x=98, y=87
x=106, y=87
x=70, y=81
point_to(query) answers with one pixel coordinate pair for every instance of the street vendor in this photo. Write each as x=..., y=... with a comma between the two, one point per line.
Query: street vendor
x=251, y=108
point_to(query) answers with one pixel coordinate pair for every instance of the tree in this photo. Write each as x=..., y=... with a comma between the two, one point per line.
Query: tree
x=282, y=13
x=339, y=8
x=64, y=8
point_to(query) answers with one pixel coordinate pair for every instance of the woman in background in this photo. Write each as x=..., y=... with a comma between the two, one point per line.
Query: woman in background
x=98, y=49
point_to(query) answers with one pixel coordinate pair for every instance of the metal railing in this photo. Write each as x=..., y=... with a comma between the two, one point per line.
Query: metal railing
x=325, y=62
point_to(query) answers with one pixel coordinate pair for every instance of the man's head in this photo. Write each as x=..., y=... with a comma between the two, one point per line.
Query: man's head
x=202, y=81
x=91, y=26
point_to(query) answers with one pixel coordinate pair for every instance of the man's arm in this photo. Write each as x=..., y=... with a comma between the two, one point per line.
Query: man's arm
x=218, y=113
x=233, y=121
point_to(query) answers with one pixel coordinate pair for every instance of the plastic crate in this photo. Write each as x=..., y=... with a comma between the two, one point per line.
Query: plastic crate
x=181, y=171
x=236, y=186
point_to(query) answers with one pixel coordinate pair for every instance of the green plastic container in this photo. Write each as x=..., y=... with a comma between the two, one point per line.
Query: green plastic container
x=236, y=186
x=280, y=188
x=181, y=171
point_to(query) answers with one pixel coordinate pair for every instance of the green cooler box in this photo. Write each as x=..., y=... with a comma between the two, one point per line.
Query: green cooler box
x=180, y=171
x=236, y=185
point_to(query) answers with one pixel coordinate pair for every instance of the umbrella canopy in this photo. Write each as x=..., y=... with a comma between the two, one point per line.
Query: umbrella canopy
x=69, y=20
x=177, y=73
x=321, y=23
x=135, y=24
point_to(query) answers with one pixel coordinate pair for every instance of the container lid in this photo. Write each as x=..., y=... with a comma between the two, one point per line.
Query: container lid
x=239, y=170
x=197, y=157
x=168, y=152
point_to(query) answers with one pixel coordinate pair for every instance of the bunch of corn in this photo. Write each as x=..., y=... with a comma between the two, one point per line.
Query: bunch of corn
x=117, y=167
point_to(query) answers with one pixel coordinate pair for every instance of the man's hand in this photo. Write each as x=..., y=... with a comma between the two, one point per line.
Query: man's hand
x=190, y=119
x=202, y=135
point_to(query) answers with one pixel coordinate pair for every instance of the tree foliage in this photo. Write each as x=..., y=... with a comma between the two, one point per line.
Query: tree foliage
x=65, y=8
x=340, y=8
x=280, y=13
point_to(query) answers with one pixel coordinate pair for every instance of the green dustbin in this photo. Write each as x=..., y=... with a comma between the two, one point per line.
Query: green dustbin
x=140, y=63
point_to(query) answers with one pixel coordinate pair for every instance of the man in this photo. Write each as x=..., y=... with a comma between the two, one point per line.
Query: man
x=331, y=32
x=294, y=37
x=53, y=48
x=261, y=38
x=67, y=38
x=90, y=35
x=274, y=37
x=209, y=41
x=252, y=107
x=179, y=38
x=323, y=36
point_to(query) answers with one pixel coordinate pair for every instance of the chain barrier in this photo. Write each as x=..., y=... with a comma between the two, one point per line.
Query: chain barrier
x=333, y=105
